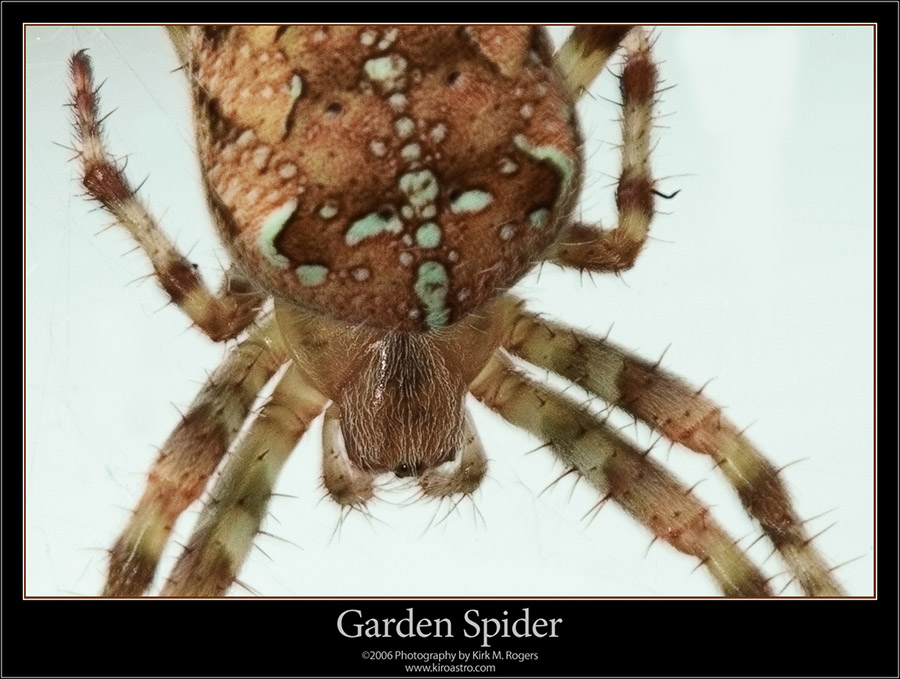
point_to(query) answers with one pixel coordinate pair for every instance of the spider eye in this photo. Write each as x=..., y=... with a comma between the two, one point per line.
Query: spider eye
x=405, y=470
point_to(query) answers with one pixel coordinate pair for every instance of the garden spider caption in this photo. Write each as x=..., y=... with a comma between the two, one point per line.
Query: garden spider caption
x=370, y=195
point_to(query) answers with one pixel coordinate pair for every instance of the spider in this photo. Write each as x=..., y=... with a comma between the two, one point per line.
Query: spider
x=397, y=356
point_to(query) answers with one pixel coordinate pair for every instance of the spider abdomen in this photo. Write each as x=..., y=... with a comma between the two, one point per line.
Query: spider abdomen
x=390, y=176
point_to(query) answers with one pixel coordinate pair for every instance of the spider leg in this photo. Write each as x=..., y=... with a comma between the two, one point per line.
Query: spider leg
x=231, y=519
x=190, y=456
x=181, y=41
x=610, y=250
x=684, y=416
x=221, y=316
x=639, y=485
x=585, y=52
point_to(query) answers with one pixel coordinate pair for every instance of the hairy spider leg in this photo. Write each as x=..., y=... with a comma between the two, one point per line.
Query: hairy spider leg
x=587, y=247
x=681, y=414
x=585, y=53
x=621, y=473
x=190, y=456
x=221, y=316
x=231, y=519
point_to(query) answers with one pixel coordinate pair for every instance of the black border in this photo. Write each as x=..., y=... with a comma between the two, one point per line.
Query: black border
x=600, y=637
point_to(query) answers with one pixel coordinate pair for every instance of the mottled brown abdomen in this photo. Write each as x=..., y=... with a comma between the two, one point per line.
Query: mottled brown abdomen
x=397, y=177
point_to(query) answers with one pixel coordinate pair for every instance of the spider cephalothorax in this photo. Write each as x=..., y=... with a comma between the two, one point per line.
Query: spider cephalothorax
x=386, y=185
